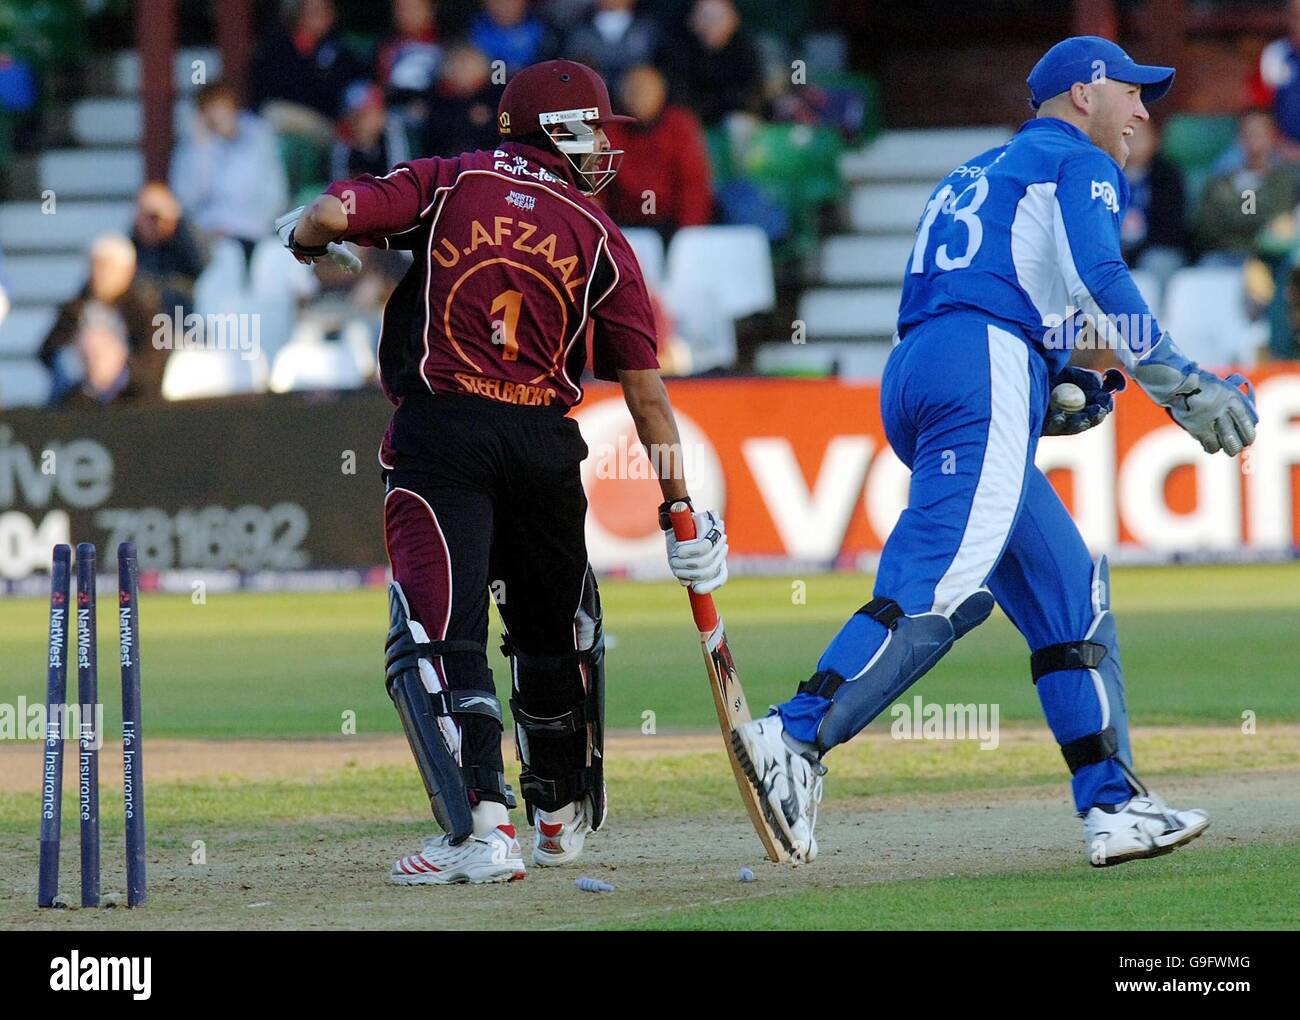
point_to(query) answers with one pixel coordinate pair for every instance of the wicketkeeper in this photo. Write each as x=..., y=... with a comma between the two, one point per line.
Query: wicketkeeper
x=482, y=351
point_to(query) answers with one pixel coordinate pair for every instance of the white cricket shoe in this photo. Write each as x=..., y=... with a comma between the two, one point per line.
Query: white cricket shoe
x=492, y=857
x=1143, y=826
x=560, y=835
x=789, y=785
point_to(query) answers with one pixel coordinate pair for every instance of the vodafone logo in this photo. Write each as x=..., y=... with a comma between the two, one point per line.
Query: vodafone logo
x=622, y=490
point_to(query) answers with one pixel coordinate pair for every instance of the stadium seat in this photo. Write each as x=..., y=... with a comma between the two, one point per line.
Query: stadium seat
x=304, y=162
x=649, y=248
x=853, y=258
x=1205, y=311
x=45, y=279
x=126, y=69
x=112, y=173
x=25, y=226
x=24, y=383
x=310, y=362
x=193, y=375
x=277, y=283
x=269, y=288
x=920, y=155
x=1149, y=287
x=888, y=208
x=849, y=312
x=796, y=167
x=119, y=120
x=732, y=266
x=1196, y=140
x=24, y=329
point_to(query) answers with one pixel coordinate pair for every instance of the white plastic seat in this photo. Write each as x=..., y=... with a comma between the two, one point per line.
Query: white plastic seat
x=732, y=264
x=649, y=249
x=1205, y=311
x=24, y=329
x=24, y=383
x=193, y=375
x=310, y=362
x=861, y=258
x=849, y=312
x=1149, y=287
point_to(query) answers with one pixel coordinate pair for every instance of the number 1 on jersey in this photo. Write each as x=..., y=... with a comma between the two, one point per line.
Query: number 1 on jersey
x=508, y=302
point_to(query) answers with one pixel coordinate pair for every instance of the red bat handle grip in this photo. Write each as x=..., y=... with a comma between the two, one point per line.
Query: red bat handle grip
x=702, y=607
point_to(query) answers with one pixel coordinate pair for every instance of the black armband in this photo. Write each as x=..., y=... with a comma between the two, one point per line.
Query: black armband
x=302, y=249
x=665, y=521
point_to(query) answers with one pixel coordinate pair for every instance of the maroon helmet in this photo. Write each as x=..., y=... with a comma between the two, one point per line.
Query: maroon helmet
x=566, y=101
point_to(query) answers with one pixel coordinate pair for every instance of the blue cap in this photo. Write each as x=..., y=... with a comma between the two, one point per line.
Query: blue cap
x=1086, y=58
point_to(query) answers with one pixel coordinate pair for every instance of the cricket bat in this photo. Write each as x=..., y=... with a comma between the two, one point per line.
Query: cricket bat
x=728, y=694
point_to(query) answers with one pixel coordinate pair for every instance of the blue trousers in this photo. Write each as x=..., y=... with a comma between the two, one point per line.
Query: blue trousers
x=963, y=403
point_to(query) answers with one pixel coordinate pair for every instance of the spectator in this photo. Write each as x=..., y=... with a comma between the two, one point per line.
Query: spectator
x=664, y=179
x=168, y=256
x=101, y=345
x=227, y=174
x=463, y=107
x=613, y=38
x=299, y=73
x=407, y=62
x=1236, y=206
x=1154, y=231
x=717, y=65
x=1275, y=85
x=507, y=30
x=370, y=140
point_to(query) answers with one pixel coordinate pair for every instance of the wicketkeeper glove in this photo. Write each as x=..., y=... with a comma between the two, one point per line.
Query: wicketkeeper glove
x=334, y=251
x=700, y=562
x=1097, y=391
x=1213, y=410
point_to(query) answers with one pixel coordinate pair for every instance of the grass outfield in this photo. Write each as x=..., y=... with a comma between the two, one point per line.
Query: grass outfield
x=1228, y=887
x=1200, y=644
x=245, y=699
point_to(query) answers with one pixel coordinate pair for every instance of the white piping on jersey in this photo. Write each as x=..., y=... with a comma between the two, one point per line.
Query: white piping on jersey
x=428, y=276
x=1002, y=472
x=446, y=555
x=1082, y=297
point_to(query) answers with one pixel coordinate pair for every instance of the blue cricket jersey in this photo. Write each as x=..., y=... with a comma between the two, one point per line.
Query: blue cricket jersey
x=1028, y=235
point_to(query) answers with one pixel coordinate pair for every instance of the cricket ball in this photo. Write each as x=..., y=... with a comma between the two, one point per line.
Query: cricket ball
x=1068, y=397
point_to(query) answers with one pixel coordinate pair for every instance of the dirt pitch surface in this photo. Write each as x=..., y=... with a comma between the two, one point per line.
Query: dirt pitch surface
x=300, y=874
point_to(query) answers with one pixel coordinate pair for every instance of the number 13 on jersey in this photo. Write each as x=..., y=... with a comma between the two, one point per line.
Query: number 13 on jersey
x=949, y=203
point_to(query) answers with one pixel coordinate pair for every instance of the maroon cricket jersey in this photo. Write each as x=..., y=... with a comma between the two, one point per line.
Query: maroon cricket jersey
x=512, y=263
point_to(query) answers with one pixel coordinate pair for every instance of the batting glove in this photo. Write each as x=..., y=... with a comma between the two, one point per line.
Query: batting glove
x=334, y=251
x=700, y=562
x=1097, y=391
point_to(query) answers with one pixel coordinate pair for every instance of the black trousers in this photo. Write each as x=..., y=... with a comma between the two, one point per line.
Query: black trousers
x=484, y=501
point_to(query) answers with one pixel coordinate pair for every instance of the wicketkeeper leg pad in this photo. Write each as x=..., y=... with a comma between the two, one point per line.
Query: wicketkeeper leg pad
x=912, y=646
x=1098, y=654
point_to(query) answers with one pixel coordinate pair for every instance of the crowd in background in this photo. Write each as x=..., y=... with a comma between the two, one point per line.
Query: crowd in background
x=1245, y=212
x=319, y=106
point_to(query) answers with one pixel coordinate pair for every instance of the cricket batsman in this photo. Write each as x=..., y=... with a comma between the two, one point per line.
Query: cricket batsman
x=482, y=350
x=1010, y=244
